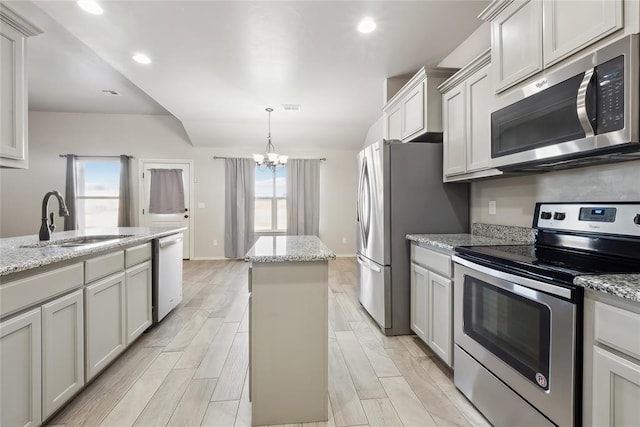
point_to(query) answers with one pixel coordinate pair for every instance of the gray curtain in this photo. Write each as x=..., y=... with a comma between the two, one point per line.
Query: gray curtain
x=124, y=205
x=239, y=201
x=166, y=191
x=71, y=221
x=303, y=196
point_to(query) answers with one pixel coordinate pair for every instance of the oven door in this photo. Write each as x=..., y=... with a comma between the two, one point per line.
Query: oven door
x=522, y=331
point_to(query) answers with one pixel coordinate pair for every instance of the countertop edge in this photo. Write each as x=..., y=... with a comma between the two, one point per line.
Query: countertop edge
x=49, y=259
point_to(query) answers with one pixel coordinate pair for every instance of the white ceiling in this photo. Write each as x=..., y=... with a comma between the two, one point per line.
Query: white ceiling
x=218, y=64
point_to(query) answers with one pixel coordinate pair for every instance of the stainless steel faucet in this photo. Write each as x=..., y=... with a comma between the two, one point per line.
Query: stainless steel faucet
x=46, y=229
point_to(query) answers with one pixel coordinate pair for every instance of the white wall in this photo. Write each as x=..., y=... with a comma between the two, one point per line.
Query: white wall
x=473, y=46
x=516, y=196
x=159, y=137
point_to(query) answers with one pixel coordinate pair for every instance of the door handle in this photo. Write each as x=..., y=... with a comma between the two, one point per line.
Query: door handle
x=186, y=216
x=170, y=240
x=367, y=264
x=581, y=103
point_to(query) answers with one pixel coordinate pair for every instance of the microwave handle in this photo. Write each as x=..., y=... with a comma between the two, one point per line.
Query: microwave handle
x=583, y=115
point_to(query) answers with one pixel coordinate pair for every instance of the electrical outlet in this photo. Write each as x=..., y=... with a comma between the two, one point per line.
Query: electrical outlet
x=344, y=240
x=492, y=207
x=215, y=242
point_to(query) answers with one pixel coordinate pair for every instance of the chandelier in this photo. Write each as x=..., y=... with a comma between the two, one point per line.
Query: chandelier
x=270, y=159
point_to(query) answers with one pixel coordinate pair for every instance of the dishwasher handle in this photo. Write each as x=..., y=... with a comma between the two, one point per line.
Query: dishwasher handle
x=170, y=240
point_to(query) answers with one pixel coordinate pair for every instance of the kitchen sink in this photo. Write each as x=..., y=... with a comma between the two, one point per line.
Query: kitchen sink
x=80, y=241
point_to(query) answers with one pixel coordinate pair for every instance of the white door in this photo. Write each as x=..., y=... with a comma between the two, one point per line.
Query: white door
x=182, y=219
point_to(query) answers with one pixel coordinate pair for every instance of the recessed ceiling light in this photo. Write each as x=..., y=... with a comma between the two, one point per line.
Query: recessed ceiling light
x=366, y=25
x=141, y=58
x=90, y=6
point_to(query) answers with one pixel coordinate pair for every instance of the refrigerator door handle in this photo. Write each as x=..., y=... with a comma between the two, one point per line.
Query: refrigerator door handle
x=368, y=264
x=361, y=219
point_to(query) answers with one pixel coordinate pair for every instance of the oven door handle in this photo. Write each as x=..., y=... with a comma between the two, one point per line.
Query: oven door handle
x=518, y=280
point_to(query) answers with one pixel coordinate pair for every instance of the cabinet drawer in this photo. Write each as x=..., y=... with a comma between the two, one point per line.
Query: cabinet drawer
x=102, y=266
x=617, y=328
x=22, y=293
x=432, y=260
x=137, y=254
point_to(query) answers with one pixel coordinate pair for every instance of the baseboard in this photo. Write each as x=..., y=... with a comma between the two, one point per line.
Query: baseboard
x=204, y=258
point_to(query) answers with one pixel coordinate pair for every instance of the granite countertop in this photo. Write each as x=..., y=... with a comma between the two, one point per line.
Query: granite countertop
x=625, y=286
x=289, y=248
x=449, y=242
x=14, y=257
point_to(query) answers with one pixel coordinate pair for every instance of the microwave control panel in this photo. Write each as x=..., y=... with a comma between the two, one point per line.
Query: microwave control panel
x=610, y=95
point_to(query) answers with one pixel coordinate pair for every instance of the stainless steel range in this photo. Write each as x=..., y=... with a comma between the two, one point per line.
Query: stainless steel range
x=518, y=316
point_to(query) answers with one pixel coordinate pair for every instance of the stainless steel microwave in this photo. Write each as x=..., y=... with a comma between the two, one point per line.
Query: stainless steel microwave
x=585, y=112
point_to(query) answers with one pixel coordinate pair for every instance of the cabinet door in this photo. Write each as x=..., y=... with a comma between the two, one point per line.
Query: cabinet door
x=413, y=119
x=440, y=318
x=394, y=123
x=419, y=296
x=516, y=42
x=571, y=25
x=478, y=120
x=62, y=350
x=20, y=370
x=616, y=390
x=138, y=300
x=454, y=137
x=105, y=322
x=13, y=107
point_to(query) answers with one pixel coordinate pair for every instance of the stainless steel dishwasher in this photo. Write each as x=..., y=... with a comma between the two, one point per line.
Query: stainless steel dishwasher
x=167, y=275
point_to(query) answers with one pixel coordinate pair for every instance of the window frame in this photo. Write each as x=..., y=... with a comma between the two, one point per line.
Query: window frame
x=81, y=183
x=274, y=204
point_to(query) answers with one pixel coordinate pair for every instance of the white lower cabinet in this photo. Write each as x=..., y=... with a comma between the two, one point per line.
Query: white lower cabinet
x=616, y=389
x=105, y=320
x=439, y=322
x=431, y=300
x=20, y=370
x=138, y=300
x=611, y=361
x=62, y=350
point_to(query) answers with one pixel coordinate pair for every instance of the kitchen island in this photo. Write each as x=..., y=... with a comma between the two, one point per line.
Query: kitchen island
x=69, y=307
x=288, y=329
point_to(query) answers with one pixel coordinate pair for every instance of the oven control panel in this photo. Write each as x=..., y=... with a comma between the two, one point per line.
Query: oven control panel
x=606, y=218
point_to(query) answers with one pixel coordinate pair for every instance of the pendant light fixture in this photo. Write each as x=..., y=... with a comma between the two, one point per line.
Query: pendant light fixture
x=270, y=159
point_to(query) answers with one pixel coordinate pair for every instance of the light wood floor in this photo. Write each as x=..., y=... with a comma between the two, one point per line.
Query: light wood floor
x=191, y=370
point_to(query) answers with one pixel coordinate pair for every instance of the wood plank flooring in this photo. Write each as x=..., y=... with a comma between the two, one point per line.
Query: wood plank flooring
x=192, y=369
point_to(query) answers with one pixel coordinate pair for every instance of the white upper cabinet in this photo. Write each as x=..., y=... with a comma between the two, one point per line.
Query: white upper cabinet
x=516, y=42
x=467, y=99
x=414, y=113
x=569, y=26
x=14, y=31
x=528, y=36
x=455, y=130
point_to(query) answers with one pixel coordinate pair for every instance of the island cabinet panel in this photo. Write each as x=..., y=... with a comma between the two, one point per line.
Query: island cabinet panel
x=104, y=265
x=20, y=370
x=138, y=300
x=16, y=295
x=289, y=342
x=104, y=322
x=62, y=350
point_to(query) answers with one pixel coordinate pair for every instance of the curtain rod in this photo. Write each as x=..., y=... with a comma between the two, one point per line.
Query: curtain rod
x=100, y=157
x=322, y=159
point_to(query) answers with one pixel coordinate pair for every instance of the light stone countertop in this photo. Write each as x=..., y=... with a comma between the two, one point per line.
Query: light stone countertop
x=625, y=286
x=449, y=242
x=289, y=248
x=14, y=257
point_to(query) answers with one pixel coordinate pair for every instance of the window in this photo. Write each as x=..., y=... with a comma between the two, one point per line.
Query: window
x=97, y=193
x=271, y=199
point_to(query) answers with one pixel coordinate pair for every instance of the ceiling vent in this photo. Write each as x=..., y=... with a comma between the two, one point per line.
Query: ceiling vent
x=110, y=92
x=291, y=107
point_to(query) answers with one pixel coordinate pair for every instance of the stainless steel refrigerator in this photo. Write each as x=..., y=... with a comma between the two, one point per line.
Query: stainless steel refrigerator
x=400, y=192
